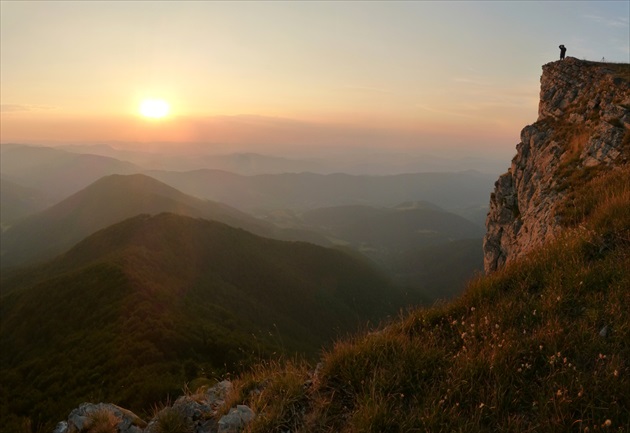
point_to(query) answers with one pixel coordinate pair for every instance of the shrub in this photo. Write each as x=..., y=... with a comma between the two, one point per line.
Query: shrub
x=170, y=420
x=102, y=420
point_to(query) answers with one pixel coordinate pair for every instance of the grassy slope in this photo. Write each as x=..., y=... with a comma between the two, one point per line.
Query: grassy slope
x=520, y=351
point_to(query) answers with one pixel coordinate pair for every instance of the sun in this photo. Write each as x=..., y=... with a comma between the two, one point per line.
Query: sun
x=154, y=108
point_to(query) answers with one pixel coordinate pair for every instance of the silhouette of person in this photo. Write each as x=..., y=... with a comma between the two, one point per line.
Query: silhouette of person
x=563, y=50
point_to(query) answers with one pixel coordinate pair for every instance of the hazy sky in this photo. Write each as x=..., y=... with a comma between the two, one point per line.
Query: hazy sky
x=462, y=75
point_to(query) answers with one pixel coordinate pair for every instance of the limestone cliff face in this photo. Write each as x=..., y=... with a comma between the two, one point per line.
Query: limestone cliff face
x=583, y=122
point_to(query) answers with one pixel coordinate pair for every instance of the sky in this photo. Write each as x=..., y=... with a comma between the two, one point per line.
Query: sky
x=458, y=76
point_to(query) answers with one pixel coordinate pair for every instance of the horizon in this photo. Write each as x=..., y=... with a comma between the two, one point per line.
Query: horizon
x=291, y=78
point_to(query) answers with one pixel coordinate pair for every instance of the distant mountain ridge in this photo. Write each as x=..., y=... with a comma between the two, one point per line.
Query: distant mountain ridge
x=310, y=190
x=109, y=200
x=189, y=156
x=55, y=172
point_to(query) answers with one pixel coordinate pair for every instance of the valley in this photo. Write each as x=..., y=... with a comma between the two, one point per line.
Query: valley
x=130, y=276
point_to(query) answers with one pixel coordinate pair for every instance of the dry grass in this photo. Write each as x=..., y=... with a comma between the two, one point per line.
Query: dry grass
x=170, y=420
x=102, y=420
x=276, y=391
x=602, y=199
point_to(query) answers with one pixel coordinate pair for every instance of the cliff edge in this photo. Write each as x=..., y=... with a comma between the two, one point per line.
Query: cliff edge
x=583, y=128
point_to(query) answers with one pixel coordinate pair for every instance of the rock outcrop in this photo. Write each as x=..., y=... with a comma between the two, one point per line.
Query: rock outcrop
x=92, y=417
x=198, y=413
x=583, y=124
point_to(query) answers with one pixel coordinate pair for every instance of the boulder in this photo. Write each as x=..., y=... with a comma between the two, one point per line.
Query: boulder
x=81, y=418
x=236, y=419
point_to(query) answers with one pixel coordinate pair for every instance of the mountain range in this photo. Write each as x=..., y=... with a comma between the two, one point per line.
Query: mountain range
x=105, y=202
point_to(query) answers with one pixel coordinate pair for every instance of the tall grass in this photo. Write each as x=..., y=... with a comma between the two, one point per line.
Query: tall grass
x=102, y=420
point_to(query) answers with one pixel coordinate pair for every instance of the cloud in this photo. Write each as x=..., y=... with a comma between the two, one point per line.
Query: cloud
x=16, y=108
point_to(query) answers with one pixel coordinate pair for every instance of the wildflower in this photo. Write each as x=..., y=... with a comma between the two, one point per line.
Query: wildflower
x=540, y=347
x=472, y=308
x=616, y=373
x=607, y=423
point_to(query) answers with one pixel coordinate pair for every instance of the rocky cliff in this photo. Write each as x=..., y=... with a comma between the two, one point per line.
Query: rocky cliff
x=583, y=128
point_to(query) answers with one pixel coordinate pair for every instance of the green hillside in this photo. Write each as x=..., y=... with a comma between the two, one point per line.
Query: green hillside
x=134, y=311
x=541, y=345
x=391, y=229
x=421, y=246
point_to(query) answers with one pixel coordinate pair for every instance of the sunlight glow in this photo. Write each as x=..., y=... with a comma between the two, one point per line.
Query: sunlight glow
x=154, y=108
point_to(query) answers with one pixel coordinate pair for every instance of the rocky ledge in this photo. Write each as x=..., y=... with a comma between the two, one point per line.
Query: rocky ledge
x=583, y=122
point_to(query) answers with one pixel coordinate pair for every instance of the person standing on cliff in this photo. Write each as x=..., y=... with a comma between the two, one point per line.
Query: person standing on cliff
x=563, y=50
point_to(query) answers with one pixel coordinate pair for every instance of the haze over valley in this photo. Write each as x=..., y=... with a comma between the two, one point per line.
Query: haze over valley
x=384, y=217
